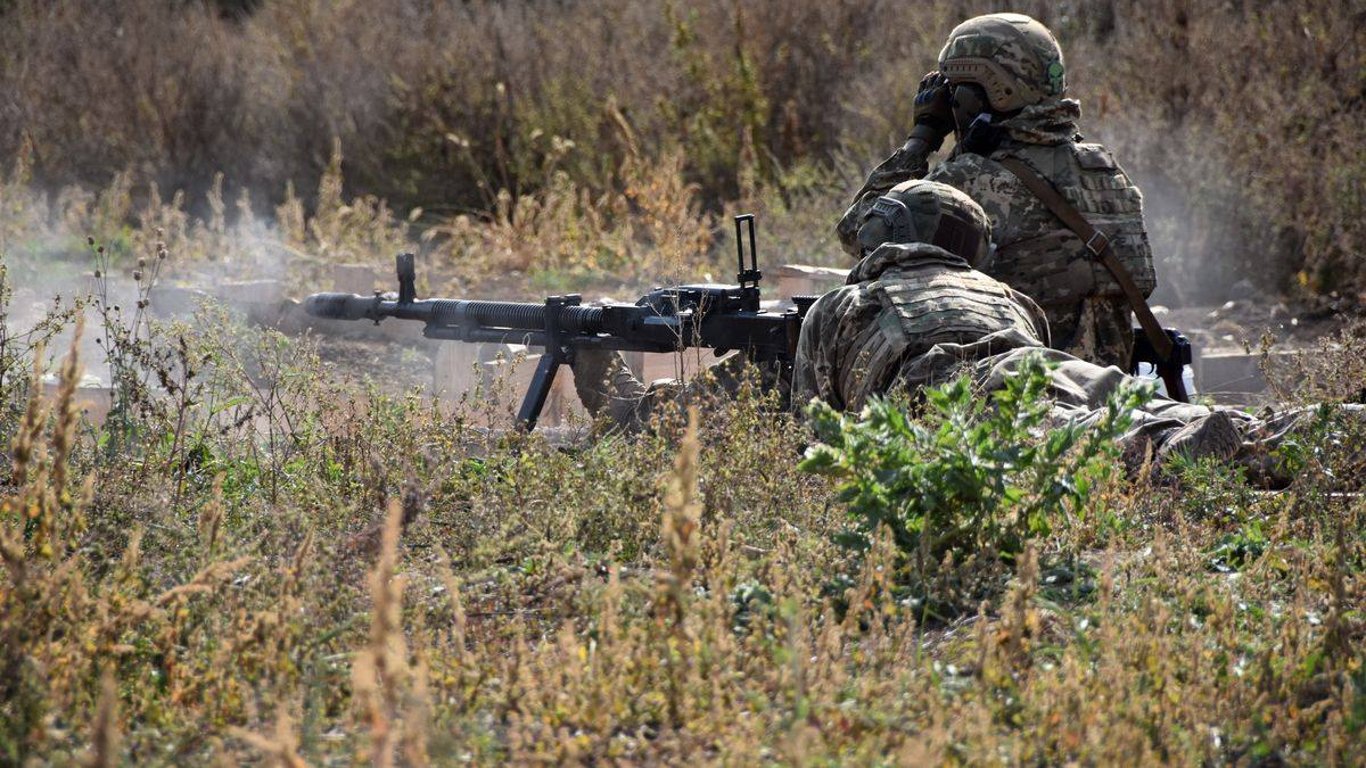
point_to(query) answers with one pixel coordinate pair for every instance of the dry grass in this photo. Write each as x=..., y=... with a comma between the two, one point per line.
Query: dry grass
x=263, y=563
x=403, y=588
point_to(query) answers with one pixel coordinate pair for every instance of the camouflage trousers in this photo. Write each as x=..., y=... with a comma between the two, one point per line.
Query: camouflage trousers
x=1079, y=391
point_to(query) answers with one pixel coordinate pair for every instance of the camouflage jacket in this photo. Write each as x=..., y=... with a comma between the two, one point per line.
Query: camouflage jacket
x=1036, y=253
x=908, y=315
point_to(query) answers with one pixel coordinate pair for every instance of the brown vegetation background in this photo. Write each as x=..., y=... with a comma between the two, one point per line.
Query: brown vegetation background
x=1241, y=120
x=275, y=551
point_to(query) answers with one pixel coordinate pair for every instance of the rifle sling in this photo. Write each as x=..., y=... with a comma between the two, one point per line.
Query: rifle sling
x=1098, y=245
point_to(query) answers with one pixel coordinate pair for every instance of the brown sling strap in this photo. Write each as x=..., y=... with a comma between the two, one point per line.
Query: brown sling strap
x=1098, y=244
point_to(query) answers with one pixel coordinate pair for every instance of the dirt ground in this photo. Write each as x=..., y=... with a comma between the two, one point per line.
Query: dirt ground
x=1242, y=323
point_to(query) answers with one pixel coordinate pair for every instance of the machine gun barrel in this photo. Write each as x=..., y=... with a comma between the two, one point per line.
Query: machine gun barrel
x=451, y=313
x=719, y=317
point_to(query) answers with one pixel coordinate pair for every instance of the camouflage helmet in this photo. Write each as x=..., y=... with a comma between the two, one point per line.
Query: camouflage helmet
x=919, y=211
x=1014, y=58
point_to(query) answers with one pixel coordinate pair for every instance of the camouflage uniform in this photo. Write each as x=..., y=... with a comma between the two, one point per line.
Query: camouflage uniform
x=909, y=314
x=913, y=314
x=1036, y=253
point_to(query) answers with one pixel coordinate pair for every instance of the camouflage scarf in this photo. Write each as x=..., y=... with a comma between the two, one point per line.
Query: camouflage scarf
x=1048, y=122
x=889, y=255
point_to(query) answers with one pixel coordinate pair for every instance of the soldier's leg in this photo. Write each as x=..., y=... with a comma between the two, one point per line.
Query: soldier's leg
x=1263, y=440
x=1162, y=427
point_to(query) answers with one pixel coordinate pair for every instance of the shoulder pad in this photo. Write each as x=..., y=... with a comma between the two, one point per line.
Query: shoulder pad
x=1094, y=157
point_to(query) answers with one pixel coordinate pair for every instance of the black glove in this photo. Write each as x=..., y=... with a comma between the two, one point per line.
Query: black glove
x=933, y=111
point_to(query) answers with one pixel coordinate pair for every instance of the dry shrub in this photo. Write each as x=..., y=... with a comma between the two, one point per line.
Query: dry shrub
x=1334, y=370
x=645, y=600
x=93, y=88
x=231, y=571
x=467, y=108
x=1198, y=99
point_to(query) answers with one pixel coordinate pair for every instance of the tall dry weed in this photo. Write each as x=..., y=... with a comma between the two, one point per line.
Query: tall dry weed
x=390, y=694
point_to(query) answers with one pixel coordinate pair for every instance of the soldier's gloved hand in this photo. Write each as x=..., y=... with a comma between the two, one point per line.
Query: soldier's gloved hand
x=603, y=380
x=933, y=111
x=592, y=368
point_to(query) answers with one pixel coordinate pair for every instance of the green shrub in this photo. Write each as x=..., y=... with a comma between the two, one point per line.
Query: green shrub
x=971, y=473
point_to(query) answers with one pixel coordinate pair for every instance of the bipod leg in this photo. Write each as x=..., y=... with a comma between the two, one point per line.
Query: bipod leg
x=536, y=394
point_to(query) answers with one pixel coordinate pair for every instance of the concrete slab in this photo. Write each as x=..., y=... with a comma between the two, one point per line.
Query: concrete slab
x=249, y=292
x=1233, y=376
x=512, y=377
x=803, y=280
x=457, y=367
x=174, y=300
x=92, y=398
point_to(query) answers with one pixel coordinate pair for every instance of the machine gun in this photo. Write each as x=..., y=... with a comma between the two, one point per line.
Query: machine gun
x=718, y=317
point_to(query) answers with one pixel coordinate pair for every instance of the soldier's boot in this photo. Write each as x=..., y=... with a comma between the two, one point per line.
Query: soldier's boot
x=1267, y=468
x=1213, y=436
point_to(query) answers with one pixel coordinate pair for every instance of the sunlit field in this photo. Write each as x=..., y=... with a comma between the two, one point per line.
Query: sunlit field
x=233, y=538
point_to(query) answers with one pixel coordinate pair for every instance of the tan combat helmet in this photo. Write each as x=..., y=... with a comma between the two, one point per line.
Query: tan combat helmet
x=919, y=211
x=1014, y=58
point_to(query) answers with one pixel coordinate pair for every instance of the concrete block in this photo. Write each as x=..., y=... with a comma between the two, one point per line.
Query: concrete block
x=454, y=369
x=802, y=280
x=1233, y=375
x=92, y=398
x=175, y=301
x=458, y=367
x=508, y=370
x=394, y=329
x=512, y=377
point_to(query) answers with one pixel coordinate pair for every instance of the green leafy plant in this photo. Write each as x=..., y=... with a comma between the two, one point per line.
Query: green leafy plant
x=971, y=473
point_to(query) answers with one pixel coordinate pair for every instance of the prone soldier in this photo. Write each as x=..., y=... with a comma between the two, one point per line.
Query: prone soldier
x=917, y=310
